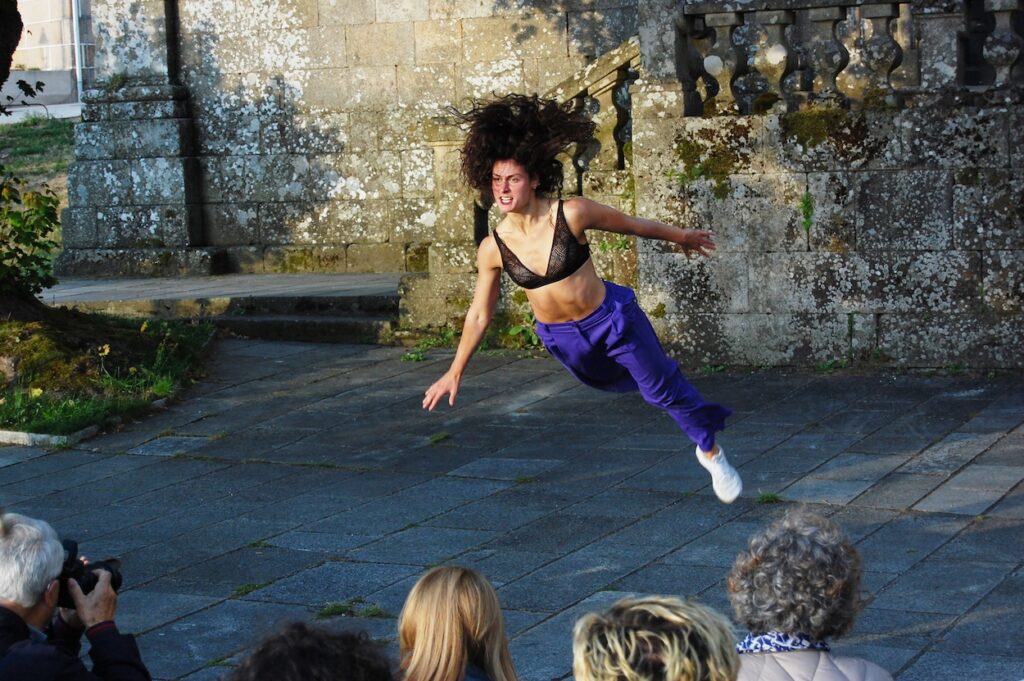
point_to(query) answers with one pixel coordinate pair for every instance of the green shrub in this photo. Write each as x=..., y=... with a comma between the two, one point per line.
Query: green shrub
x=28, y=225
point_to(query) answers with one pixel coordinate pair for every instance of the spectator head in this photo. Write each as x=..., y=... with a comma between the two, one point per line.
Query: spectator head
x=801, y=575
x=31, y=557
x=303, y=653
x=654, y=638
x=452, y=619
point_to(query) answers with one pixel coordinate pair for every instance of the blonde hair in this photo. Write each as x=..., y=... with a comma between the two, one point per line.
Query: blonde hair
x=451, y=619
x=655, y=638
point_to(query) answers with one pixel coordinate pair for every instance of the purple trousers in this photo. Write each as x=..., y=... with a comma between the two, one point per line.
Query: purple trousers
x=615, y=348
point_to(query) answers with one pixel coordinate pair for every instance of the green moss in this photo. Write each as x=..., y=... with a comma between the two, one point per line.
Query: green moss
x=807, y=210
x=659, y=311
x=811, y=127
x=716, y=164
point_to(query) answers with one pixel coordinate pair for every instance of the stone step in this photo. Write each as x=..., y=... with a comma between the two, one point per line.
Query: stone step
x=319, y=328
x=383, y=305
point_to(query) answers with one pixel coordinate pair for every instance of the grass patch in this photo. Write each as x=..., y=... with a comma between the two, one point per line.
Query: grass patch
x=353, y=607
x=261, y=544
x=710, y=369
x=445, y=338
x=769, y=498
x=439, y=437
x=74, y=370
x=525, y=479
x=246, y=589
x=37, y=148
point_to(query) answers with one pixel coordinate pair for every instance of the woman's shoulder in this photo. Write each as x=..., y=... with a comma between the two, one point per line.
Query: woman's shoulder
x=808, y=665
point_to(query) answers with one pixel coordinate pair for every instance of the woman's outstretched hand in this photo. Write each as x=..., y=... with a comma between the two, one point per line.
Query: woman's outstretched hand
x=446, y=385
x=697, y=241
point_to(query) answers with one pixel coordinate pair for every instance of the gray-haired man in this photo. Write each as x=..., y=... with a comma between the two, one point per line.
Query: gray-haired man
x=40, y=643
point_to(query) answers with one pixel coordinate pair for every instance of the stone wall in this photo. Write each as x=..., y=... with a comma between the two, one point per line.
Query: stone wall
x=860, y=162
x=867, y=197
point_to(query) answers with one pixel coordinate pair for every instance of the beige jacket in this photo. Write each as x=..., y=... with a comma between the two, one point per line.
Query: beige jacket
x=808, y=665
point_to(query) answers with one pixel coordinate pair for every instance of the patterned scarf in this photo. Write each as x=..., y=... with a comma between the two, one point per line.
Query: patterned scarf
x=778, y=642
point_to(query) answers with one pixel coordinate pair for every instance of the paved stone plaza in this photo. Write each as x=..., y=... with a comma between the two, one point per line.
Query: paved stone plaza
x=296, y=475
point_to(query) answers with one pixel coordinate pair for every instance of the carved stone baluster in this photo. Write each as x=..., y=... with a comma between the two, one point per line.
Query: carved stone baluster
x=874, y=53
x=721, y=62
x=689, y=67
x=1004, y=46
x=825, y=55
x=772, y=58
x=907, y=75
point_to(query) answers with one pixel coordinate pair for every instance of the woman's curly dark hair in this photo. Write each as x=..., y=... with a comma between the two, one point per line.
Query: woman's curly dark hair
x=303, y=653
x=525, y=128
x=799, y=575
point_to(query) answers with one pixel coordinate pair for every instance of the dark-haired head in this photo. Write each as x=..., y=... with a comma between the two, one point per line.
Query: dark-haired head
x=303, y=653
x=524, y=128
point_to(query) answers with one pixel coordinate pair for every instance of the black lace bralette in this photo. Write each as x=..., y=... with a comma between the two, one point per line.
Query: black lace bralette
x=567, y=256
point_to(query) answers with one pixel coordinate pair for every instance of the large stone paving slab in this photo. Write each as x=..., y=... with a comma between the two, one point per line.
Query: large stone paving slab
x=298, y=475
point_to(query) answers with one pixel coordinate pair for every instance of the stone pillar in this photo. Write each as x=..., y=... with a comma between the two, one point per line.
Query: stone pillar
x=1005, y=45
x=133, y=190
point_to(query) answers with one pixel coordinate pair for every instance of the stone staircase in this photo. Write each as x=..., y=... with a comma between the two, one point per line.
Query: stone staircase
x=323, y=319
x=325, y=308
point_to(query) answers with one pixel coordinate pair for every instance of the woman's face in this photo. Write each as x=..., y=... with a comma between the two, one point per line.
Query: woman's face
x=512, y=186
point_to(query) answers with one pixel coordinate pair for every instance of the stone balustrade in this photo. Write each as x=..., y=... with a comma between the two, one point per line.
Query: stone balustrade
x=759, y=57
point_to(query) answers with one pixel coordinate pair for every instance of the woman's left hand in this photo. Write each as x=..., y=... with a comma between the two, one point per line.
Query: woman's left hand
x=699, y=241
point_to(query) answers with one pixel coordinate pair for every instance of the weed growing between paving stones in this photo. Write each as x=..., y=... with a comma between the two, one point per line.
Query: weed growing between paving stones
x=247, y=589
x=353, y=607
x=74, y=370
x=769, y=498
x=439, y=437
x=444, y=339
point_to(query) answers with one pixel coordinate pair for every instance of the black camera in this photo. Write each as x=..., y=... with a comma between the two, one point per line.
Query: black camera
x=74, y=568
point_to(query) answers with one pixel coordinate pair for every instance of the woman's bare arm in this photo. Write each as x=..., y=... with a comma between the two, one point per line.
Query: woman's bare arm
x=583, y=214
x=481, y=311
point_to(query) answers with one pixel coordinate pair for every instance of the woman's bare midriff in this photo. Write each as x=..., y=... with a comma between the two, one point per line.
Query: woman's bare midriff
x=570, y=299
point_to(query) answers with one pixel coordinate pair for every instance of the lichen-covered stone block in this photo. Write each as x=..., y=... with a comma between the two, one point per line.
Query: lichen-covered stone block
x=285, y=223
x=163, y=180
x=231, y=224
x=754, y=213
x=222, y=134
x=696, y=285
x=832, y=139
x=453, y=257
x=427, y=87
x=244, y=259
x=78, y=228
x=99, y=183
x=417, y=172
x=280, y=177
x=149, y=110
x=596, y=31
x=822, y=282
x=828, y=212
x=413, y=220
x=939, y=137
x=479, y=79
x=493, y=39
x=923, y=220
x=938, y=39
x=348, y=221
x=346, y=11
x=160, y=137
x=455, y=215
x=365, y=87
x=417, y=257
x=402, y=10
x=137, y=262
x=305, y=259
x=96, y=141
x=381, y=44
x=376, y=258
x=973, y=339
x=942, y=281
x=988, y=209
x=1003, y=285
x=799, y=338
x=304, y=134
x=438, y=42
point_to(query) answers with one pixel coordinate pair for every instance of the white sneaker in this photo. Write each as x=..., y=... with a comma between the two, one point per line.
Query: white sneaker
x=724, y=479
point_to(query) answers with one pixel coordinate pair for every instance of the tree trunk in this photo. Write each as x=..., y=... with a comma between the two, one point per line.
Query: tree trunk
x=22, y=308
x=10, y=36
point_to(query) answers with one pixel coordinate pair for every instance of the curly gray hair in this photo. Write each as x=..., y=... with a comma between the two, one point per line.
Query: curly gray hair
x=800, y=575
